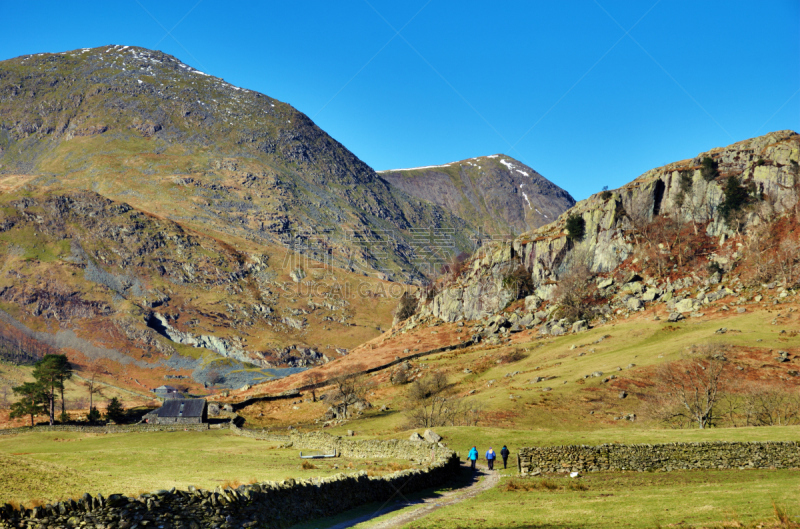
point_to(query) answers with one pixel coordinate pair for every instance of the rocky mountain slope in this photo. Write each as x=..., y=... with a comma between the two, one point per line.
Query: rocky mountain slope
x=690, y=228
x=496, y=193
x=169, y=224
x=148, y=297
x=142, y=127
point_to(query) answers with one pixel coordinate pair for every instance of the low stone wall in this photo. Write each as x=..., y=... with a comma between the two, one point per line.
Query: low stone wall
x=659, y=457
x=111, y=428
x=268, y=504
x=420, y=451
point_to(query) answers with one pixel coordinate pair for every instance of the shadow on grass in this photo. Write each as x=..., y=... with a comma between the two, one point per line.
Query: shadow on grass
x=465, y=478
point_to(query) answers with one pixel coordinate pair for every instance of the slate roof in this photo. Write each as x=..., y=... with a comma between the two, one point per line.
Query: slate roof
x=182, y=408
x=166, y=388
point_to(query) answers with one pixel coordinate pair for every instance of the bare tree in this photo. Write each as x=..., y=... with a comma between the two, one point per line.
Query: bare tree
x=314, y=379
x=693, y=384
x=428, y=402
x=349, y=390
x=432, y=404
x=574, y=291
x=215, y=377
x=93, y=369
x=759, y=255
x=787, y=259
x=771, y=406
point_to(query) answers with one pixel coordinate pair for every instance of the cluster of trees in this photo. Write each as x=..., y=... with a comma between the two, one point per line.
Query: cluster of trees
x=42, y=395
x=432, y=403
x=701, y=389
x=19, y=349
x=36, y=397
x=770, y=256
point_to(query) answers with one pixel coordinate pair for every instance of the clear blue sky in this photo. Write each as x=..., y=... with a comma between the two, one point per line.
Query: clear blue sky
x=589, y=93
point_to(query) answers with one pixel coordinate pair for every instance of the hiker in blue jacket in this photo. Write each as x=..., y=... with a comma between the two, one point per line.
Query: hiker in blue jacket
x=473, y=456
x=490, y=457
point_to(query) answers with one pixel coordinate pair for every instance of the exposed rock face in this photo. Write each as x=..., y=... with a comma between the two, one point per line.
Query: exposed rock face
x=496, y=193
x=483, y=289
x=218, y=345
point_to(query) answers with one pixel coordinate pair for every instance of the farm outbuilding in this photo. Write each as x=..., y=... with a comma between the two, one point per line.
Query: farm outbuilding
x=167, y=392
x=180, y=411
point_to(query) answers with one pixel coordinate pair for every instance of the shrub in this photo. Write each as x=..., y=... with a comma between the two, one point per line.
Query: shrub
x=520, y=281
x=515, y=355
x=94, y=415
x=308, y=465
x=576, y=227
x=709, y=169
x=605, y=195
x=736, y=197
x=456, y=265
x=406, y=307
x=574, y=293
x=715, y=268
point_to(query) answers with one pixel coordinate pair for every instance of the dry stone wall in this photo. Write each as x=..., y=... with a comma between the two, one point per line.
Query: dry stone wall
x=111, y=428
x=420, y=451
x=268, y=504
x=659, y=457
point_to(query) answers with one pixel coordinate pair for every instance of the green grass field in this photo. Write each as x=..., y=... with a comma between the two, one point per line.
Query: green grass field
x=53, y=466
x=607, y=500
x=635, y=499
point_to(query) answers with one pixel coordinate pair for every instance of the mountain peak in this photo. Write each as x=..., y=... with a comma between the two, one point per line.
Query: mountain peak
x=497, y=193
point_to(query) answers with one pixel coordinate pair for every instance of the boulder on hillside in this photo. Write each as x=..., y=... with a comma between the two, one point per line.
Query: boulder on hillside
x=605, y=283
x=651, y=294
x=634, y=303
x=675, y=316
x=531, y=302
x=686, y=305
x=431, y=436
x=415, y=437
x=297, y=275
x=580, y=326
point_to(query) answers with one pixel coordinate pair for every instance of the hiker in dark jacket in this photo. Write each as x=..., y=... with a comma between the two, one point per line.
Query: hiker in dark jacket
x=504, y=454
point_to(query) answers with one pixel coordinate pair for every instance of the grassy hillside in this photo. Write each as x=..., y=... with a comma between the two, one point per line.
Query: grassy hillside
x=564, y=399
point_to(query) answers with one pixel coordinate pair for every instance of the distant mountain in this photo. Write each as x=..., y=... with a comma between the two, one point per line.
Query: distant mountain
x=167, y=223
x=496, y=193
x=140, y=126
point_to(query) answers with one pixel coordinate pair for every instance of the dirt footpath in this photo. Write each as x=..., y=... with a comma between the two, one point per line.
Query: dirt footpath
x=425, y=506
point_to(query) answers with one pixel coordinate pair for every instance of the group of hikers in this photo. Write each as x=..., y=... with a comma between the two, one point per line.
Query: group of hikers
x=490, y=457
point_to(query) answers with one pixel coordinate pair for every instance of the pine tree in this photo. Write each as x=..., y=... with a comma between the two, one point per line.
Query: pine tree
x=32, y=398
x=114, y=411
x=50, y=373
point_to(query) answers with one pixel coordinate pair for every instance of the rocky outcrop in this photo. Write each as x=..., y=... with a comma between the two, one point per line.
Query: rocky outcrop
x=498, y=194
x=220, y=346
x=484, y=288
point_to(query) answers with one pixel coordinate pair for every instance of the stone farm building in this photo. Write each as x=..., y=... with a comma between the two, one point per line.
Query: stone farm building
x=179, y=411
